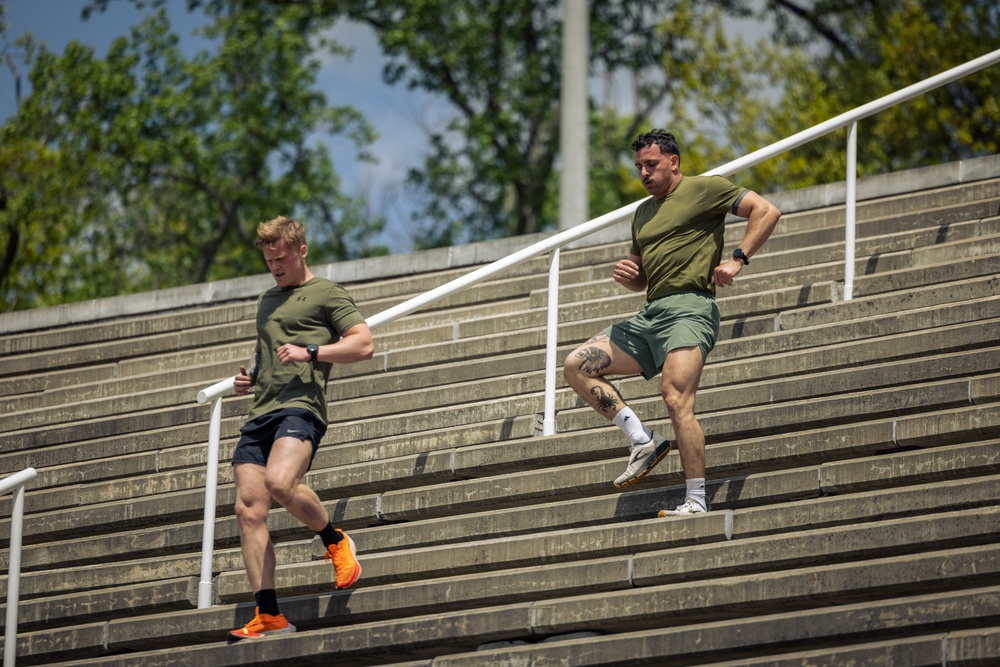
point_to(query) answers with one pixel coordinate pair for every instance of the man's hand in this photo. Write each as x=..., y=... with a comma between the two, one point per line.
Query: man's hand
x=289, y=353
x=628, y=272
x=725, y=272
x=243, y=382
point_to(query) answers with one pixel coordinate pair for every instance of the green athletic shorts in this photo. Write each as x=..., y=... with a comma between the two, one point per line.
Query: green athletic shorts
x=685, y=319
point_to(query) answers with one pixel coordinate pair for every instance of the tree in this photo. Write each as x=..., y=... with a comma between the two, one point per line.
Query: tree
x=732, y=98
x=871, y=49
x=31, y=198
x=163, y=165
x=714, y=79
x=491, y=172
x=498, y=64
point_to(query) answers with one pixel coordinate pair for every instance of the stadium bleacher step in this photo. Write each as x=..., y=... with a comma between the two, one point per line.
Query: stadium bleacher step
x=851, y=463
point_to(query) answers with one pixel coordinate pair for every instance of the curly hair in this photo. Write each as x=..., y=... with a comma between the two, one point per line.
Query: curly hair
x=662, y=138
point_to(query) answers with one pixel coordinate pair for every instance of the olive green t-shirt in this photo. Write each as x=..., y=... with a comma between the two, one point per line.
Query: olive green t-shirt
x=680, y=237
x=318, y=311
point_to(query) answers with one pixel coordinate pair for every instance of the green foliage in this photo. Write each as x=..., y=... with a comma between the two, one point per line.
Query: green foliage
x=498, y=63
x=149, y=166
x=921, y=38
x=873, y=49
x=733, y=98
x=712, y=90
x=491, y=172
x=146, y=169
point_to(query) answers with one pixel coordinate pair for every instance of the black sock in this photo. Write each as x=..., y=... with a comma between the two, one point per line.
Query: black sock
x=267, y=601
x=329, y=535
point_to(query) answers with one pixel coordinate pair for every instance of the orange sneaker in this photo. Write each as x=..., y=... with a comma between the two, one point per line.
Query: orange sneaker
x=346, y=568
x=262, y=625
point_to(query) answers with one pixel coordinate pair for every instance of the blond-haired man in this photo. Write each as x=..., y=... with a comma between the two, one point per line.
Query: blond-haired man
x=305, y=325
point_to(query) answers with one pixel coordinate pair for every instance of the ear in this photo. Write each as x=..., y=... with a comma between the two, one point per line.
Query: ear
x=303, y=250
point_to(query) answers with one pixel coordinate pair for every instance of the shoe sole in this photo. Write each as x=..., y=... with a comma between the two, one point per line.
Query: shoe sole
x=630, y=482
x=233, y=637
x=357, y=571
x=669, y=514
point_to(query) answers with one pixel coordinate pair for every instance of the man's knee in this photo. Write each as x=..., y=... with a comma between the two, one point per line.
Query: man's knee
x=679, y=404
x=251, y=512
x=280, y=488
x=571, y=366
x=589, y=361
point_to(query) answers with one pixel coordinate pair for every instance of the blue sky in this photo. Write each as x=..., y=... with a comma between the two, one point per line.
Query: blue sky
x=400, y=116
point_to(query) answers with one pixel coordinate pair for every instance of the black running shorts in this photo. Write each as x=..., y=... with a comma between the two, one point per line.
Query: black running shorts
x=258, y=436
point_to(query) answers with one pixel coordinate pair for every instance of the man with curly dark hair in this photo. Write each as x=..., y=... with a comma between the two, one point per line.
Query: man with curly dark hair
x=676, y=257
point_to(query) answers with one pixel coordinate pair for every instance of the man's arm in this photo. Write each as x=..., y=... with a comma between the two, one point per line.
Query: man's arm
x=629, y=273
x=761, y=217
x=355, y=344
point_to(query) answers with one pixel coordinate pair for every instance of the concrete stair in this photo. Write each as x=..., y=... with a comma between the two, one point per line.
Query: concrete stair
x=853, y=467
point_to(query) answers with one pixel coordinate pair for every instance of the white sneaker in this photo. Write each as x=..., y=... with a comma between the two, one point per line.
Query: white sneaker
x=688, y=507
x=642, y=459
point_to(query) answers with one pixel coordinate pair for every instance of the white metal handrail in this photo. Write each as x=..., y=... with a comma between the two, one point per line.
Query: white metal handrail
x=15, y=483
x=205, y=586
x=556, y=241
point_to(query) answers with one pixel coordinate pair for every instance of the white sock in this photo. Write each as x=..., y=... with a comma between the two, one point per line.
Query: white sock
x=630, y=425
x=696, y=490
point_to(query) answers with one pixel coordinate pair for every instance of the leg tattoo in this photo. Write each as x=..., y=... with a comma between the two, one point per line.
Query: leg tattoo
x=606, y=402
x=594, y=359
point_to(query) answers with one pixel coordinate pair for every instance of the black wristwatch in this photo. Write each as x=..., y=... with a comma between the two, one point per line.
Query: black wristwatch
x=313, y=350
x=739, y=254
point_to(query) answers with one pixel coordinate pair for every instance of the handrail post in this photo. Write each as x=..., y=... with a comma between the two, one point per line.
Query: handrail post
x=551, y=345
x=16, y=482
x=14, y=579
x=850, y=209
x=205, y=588
x=216, y=391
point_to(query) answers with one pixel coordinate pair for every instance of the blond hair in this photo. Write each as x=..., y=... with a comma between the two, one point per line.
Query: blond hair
x=282, y=227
